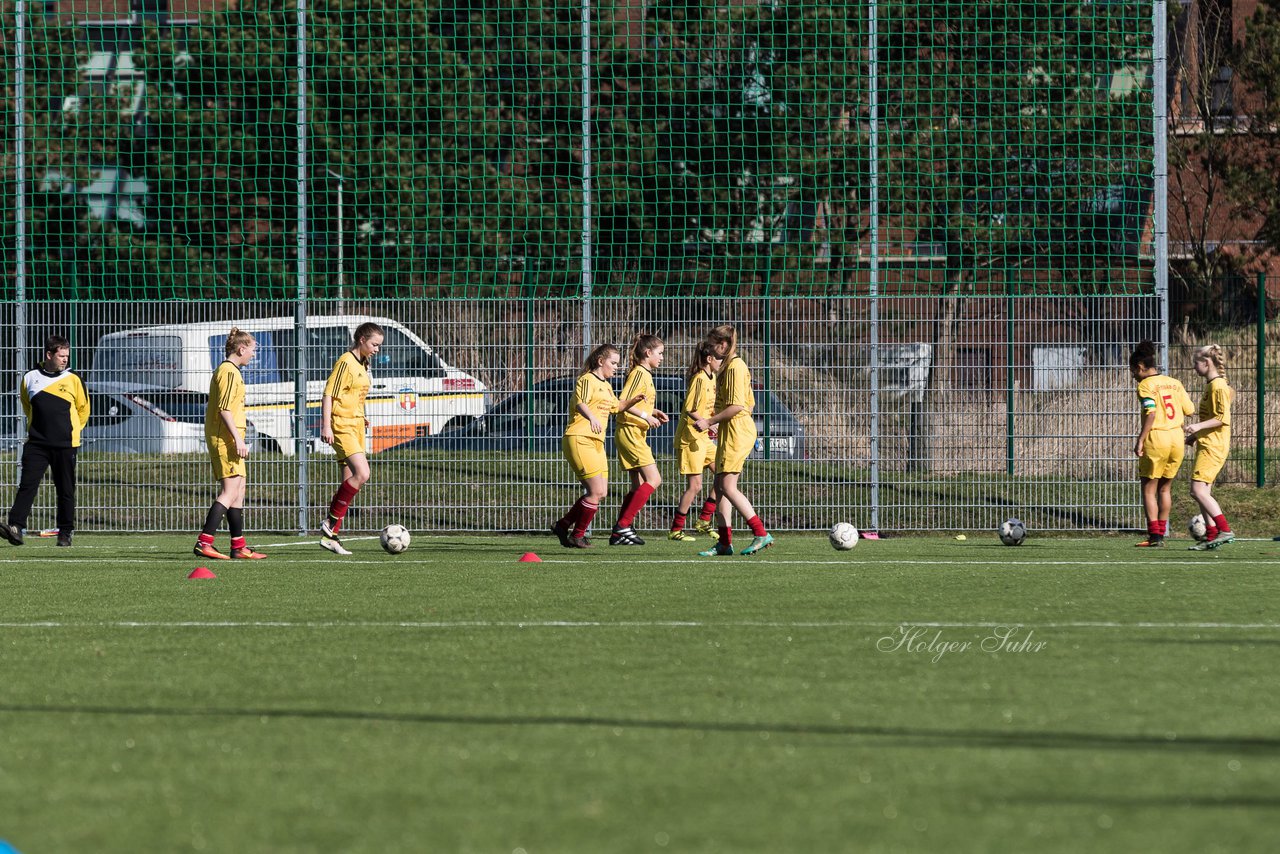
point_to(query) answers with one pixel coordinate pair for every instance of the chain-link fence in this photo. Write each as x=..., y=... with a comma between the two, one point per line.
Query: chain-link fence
x=940, y=227
x=960, y=415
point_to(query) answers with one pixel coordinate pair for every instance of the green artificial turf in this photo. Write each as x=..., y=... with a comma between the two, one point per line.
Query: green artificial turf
x=642, y=699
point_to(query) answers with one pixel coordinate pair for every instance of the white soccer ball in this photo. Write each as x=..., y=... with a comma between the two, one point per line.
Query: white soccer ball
x=1012, y=532
x=395, y=538
x=843, y=536
x=1197, y=528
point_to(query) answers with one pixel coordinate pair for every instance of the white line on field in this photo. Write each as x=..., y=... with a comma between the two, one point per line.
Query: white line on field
x=640, y=562
x=623, y=624
x=303, y=541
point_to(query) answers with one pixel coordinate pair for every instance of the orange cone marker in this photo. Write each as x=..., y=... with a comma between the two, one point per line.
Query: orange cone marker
x=201, y=572
x=529, y=557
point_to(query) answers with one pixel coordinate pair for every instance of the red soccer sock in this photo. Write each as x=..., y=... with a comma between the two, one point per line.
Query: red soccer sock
x=586, y=513
x=205, y=539
x=237, y=543
x=1162, y=527
x=678, y=520
x=757, y=526
x=726, y=535
x=633, y=505
x=571, y=515
x=1153, y=528
x=1221, y=522
x=1210, y=531
x=341, y=503
x=708, y=510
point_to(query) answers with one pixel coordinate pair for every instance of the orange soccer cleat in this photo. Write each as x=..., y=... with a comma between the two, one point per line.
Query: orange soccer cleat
x=246, y=553
x=201, y=550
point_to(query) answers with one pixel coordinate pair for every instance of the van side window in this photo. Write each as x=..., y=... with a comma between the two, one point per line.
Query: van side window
x=141, y=360
x=324, y=345
x=400, y=357
x=263, y=369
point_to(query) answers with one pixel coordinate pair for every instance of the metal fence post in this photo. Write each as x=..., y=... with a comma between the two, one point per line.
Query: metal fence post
x=19, y=203
x=768, y=353
x=873, y=273
x=1160, y=172
x=1260, y=381
x=1009, y=401
x=586, y=177
x=300, y=304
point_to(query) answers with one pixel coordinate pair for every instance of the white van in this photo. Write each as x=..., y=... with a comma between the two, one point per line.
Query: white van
x=413, y=392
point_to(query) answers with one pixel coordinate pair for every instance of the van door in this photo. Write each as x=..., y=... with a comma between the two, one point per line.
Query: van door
x=406, y=392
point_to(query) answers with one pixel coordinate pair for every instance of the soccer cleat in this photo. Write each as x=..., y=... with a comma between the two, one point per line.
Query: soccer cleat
x=1222, y=539
x=12, y=533
x=64, y=540
x=202, y=550
x=1198, y=547
x=681, y=536
x=758, y=544
x=332, y=544
x=625, y=537
x=1153, y=541
x=579, y=543
x=704, y=527
x=562, y=532
x=246, y=553
x=717, y=550
x=327, y=529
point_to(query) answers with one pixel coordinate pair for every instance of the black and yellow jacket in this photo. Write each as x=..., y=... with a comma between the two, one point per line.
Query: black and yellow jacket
x=56, y=407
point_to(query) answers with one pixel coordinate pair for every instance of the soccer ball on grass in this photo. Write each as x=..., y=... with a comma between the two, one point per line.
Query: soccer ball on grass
x=843, y=536
x=1198, y=529
x=395, y=539
x=1012, y=532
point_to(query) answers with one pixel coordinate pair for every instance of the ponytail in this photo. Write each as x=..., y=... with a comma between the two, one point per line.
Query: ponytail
x=1213, y=354
x=365, y=331
x=236, y=339
x=703, y=353
x=642, y=346
x=597, y=356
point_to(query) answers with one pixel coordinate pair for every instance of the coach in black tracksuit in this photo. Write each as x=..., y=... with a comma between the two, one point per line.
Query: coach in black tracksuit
x=57, y=408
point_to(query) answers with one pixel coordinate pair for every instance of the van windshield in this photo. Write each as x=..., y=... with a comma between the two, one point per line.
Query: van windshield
x=324, y=345
x=154, y=360
x=401, y=357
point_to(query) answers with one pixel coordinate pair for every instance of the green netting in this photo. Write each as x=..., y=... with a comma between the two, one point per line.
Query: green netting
x=727, y=149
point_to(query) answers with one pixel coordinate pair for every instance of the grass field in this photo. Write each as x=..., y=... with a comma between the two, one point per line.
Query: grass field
x=452, y=699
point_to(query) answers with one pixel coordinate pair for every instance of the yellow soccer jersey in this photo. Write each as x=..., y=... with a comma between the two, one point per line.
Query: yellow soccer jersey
x=348, y=385
x=733, y=388
x=1216, y=403
x=56, y=407
x=226, y=391
x=639, y=384
x=699, y=398
x=598, y=396
x=1165, y=397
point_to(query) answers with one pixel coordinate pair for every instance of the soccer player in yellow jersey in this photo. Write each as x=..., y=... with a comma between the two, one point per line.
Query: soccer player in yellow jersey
x=636, y=415
x=343, y=425
x=695, y=449
x=1212, y=435
x=592, y=403
x=54, y=401
x=225, y=423
x=737, y=437
x=1160, y=445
